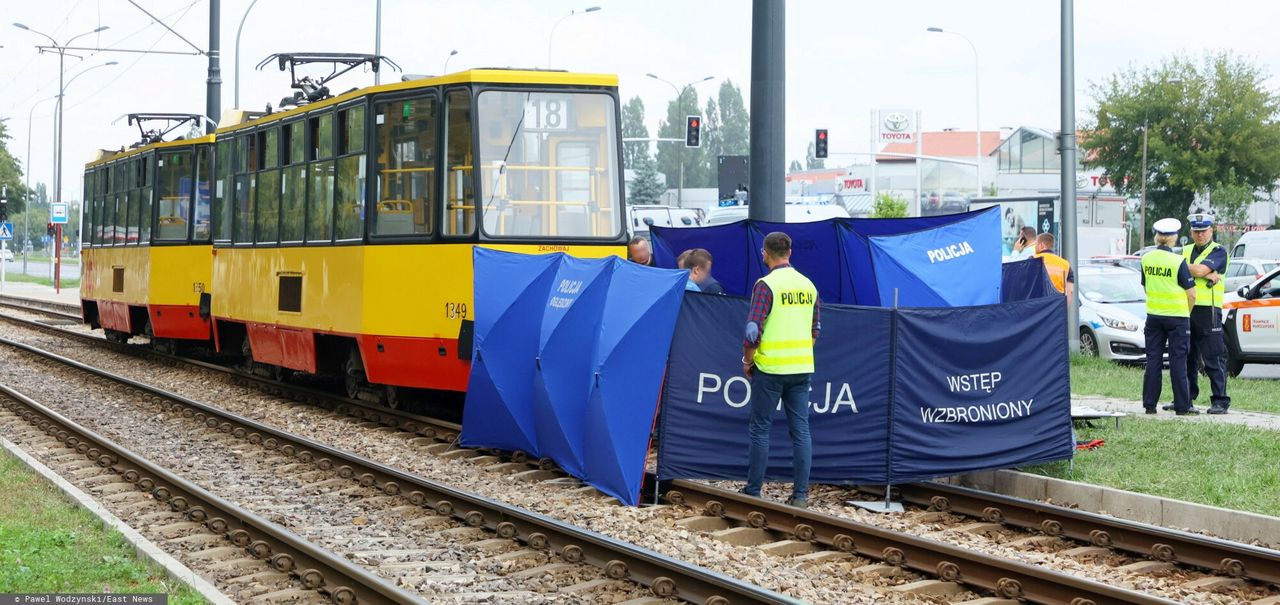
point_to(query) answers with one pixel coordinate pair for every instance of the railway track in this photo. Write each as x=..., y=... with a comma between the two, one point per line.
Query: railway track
x=1241, y=568
x=305, y=467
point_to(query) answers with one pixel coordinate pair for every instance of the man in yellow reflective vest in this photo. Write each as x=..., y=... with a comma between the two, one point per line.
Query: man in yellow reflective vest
x=1058, y=268
x=777, y=355
x=1171, y=294
x=1208, y=262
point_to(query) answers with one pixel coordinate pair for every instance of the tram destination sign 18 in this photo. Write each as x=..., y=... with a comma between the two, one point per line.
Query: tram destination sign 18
x=58, y=214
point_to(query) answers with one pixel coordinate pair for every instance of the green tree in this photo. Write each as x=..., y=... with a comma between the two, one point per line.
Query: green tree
x=1210, y=123
x=1231, y=200
x=11, y=174
x=633, y=128
x=646, y=188
x=812, y=161
x=888, y=205
x=735, y=122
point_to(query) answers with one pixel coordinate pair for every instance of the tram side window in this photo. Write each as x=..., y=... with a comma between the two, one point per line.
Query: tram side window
x=222, y=191
x=459, y=216
x=146, y=200
x=292, y=202
x=200, y=214
x=293, y=143
x=267, y=222
x=321, y=136
x=320, y=202
x=246, y=150
x=173, y=195
x=405, y=135
x=135, y=208
x=271, y=147
x=349, y=201
x=86, y=216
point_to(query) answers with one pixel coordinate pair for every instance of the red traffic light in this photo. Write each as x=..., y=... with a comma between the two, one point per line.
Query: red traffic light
x=693, y=123
x=822, y=135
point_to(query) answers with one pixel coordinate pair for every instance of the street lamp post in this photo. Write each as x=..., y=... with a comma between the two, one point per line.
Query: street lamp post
x=552, y=37
x=680, y=110
x=61, y=49
x=240, y=30
x=26, y=205
x=446, y=61
x=977, y=104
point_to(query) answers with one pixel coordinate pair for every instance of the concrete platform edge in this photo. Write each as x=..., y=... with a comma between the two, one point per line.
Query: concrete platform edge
x=145, y=549
x=1239, y=526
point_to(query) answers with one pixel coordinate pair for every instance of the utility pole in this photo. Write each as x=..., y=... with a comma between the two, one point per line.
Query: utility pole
x=1067, y=146
x=213, y=86
x=768, y=110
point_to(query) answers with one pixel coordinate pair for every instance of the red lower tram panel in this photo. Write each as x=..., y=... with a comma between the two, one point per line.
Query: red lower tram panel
x=423, y=363
x=114, y=315
x=178, y=321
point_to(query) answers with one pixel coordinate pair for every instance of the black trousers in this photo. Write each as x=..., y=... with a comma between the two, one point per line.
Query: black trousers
x=1176, y=331
x=1208, y=350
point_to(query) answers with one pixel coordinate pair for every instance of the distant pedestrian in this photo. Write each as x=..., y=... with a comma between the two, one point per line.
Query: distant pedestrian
x=698, y=262
x=1060, y=273
x=1171, y=294
x=638, y=251
x=778, y=358
x=1025, y=245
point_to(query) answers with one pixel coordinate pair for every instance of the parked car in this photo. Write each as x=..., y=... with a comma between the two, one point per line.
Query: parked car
x=1244, y=271
x=1251, y=322
x=642, y=217
x=1258, y=244
x=1113, y=311
x=6, y=255
x=1127, y=261
x=794, y=213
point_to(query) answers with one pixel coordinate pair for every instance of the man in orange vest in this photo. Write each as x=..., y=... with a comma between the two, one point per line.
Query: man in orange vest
x=1058, y=268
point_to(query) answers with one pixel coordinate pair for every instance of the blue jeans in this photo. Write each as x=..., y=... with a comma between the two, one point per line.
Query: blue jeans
x=766, y=390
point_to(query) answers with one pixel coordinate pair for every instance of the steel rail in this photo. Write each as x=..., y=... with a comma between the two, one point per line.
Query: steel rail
x=344, y=582
x=1006, y=578
x=665, y=576
x=1232, y=559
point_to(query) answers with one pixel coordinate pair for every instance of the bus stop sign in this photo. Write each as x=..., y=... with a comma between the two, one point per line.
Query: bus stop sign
x=58, y=214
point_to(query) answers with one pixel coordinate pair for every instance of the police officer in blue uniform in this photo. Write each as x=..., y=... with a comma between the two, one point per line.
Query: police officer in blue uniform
x=1208, y=262
x=1171, y=294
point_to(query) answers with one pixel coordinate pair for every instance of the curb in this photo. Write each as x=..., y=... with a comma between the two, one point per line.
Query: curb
x=144, y=548
x=1238, y=526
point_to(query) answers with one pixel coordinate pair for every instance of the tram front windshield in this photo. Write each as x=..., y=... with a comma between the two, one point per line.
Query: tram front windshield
x=548, y=165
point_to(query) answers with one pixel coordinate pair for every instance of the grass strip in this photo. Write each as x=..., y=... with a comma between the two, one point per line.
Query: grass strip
x=67, y=283
x=1094, y=376
x=48, y=544
x=1225, y=465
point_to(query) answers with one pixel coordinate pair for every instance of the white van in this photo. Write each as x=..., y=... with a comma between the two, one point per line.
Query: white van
x=795, y=213
x=641, y=217
x=1258, y=244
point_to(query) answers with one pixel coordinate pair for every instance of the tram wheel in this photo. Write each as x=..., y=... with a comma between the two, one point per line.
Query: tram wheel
x=353, y=374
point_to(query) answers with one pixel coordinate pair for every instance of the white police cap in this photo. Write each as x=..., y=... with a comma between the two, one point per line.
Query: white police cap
x=1167, y=226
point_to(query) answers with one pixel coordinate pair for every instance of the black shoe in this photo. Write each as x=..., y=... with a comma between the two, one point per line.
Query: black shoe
x=1188, y=412
x=1215, y=410
x=798, y=502
x=744, y=492
x=1149, y=410
x=1168, y=407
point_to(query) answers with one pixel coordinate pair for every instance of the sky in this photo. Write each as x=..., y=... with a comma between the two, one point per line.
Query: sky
x=844, y=58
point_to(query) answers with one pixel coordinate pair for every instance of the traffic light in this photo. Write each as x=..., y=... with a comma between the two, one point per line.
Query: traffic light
x=4, y=207
x=820, y=143
x=693, y=131
x=48, y=229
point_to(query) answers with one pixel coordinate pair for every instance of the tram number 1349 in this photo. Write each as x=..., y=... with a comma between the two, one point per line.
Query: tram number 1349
x=453, y=310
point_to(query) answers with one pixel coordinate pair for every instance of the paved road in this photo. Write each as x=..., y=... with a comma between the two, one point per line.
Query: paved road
x=41, y=268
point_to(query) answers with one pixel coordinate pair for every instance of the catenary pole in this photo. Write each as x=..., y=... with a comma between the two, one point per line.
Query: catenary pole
x=1067, y=147
x=768, y=110
x=213, y=85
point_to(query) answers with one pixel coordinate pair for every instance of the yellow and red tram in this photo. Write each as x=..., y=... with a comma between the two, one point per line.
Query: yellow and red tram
x=342, y=231
x=146, y=252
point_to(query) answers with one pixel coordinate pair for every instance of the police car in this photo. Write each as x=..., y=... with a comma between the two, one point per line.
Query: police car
x=1251, y=323
x=1112, y=312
